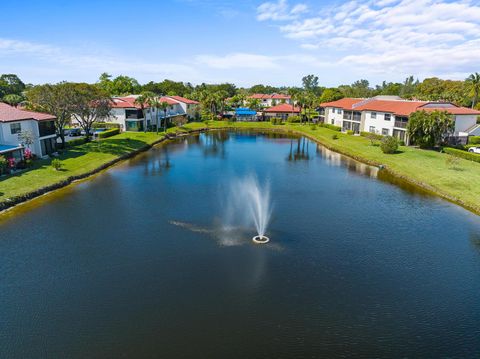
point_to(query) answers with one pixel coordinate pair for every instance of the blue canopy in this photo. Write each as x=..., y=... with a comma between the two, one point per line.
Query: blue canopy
x=8, y=148
x=243, y=111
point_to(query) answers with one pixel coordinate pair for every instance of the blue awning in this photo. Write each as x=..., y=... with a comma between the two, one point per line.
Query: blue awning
x=8, y=148
x=242, y=111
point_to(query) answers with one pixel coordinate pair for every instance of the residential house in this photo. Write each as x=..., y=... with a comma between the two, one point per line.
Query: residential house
x=282, y=111
x=189, y=107
x=130, y=116
x=14, y=121
x=269, y=100
x=388, y=115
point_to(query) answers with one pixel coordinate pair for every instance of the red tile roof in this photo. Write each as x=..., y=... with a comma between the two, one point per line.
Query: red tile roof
x=184, y=100
x=401, y=108
x=454, y=110
x=275, y=96
x=9, y=114
x=284, y=107
x=129, y=102
x=345, y=103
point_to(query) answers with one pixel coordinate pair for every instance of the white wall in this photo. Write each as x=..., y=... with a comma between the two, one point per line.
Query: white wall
x=464, y=122
x=331, y=114
x=379, y=122
x=7, y=138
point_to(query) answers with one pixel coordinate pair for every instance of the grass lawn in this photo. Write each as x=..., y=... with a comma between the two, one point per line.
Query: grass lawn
x=426, y=168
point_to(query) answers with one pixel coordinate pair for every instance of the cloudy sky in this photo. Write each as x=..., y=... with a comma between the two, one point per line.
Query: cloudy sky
x=245, y=42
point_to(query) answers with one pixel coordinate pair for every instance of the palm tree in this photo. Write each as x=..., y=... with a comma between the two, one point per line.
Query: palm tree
x=164, y=106
x=141, y=101
x=155, y=103
x=474, y=81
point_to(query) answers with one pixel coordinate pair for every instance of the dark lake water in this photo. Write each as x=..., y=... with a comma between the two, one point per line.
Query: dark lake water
x=129, y=264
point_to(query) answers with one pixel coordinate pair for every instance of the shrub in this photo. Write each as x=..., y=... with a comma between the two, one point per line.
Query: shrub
x=462, y=154
x=75, y=142
x=371, y=135
x=452, y=162
x=294, y=119
x=401, y=143
x=334, y=136
x=276, y=121
x=389, y=144
x=109, y=133
x=57, y=164
x=313, y=127
x=474, y=140
x=331, y=127
x=3, y=164
x=107, y=125
x=350, y=132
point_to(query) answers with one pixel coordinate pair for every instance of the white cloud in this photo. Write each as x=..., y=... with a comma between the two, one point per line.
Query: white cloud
x=279, y=10
x=430, y=37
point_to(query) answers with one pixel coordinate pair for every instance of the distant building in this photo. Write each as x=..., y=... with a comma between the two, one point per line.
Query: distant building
x=245, y=114
x=129, y=114
x=14, y=121
x=282, y=111
x=269, y=100
x=388, y=115
x=190, y=107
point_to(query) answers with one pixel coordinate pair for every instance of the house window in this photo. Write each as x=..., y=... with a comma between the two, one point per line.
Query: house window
x=385, y=131
x=373, y=115
x=372, y=129
x=387, y=117
x=339, y=111
x=15, y=128
x=333, y=122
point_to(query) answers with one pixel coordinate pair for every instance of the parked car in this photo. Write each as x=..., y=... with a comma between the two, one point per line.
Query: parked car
x=474, y=149
x=74, y=132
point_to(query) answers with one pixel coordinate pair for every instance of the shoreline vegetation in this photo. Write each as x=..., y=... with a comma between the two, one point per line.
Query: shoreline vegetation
x=426, y=169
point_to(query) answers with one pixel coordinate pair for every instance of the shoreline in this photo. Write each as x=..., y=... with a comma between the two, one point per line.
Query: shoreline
x=11, y=203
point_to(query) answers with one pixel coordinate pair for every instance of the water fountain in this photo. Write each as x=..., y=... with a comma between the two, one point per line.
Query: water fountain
x=251, y=202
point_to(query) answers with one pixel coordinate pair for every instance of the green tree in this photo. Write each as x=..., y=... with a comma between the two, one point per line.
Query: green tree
x=11, y=84
x=58, y=100
x=13, y=99
x=142, y=102
x=473, y=83
x=428, y=129
x=164, y=106
x=331, y=94
x=91, y=104
x=310, y=84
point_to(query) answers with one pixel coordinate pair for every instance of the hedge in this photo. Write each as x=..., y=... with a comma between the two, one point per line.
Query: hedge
x=294, y=119
x=331, y=127
x=109, y=133
x=462, y=154
x=474, y=140
x=276, y=121
x=107, y=125
x=75, y=142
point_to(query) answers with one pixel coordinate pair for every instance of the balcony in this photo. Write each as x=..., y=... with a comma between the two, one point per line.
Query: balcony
x=400, y=124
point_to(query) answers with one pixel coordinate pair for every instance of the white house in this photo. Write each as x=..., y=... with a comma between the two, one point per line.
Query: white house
x=388, y=115
x=189, y=107
x=14, y=121
x=130, y=116
x=269, y=100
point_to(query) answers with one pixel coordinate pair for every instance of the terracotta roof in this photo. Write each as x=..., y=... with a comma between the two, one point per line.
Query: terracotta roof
x=184, y=100
x=129, y=102
x=284, y=107
x=262, y=96
x=9, y=114
x=168, y=100
x=402, y=108
x=453, y=110
x=345, y=103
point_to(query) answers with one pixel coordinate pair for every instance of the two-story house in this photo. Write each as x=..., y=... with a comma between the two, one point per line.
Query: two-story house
x=269, y=100
x=14, y=121
x=388, y=115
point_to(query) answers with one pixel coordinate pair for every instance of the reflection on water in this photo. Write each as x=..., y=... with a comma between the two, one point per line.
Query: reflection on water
x=299, y=150
x=338, y=160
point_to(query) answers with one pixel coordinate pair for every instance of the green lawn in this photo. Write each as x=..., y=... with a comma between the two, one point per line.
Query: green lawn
x=426, y=168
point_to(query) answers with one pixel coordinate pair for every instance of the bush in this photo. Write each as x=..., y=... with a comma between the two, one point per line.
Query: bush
x=3, y=165
x=389, y=144
x=474, y=140
x=276, y=121
x=313, y=127
x=371, y=135
x=462, y=154
x=334, y=136
x=107, y=125
x=331, y=127
x=109, y=133
x=294, y=119
x=75, y=142
x=350, y=132
x=57, y=164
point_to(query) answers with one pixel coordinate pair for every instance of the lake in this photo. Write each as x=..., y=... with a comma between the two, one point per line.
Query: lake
x=130, y=264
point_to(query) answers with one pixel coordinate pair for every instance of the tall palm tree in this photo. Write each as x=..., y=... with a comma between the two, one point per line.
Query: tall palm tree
x=164, y=106
x=155, y=103
x=474, y=81
x=142, y=101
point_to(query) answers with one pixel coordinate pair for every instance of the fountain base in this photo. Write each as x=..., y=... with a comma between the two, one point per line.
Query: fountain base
x=260, y=239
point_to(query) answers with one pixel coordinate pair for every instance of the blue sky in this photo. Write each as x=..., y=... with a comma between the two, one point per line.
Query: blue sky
x=245, y=42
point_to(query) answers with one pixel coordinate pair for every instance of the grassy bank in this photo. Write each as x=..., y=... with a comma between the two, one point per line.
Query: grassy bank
x=427, y=169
